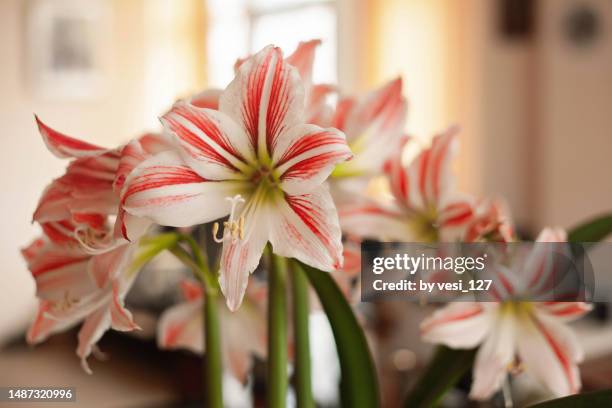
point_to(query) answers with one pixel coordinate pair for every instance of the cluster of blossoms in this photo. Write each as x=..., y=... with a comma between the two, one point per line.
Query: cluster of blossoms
x=288, y=168
x=511, y=335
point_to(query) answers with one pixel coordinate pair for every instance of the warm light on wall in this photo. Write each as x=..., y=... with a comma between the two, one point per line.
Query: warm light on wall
x=410, y=41
x=175, y=53
x=437, y=48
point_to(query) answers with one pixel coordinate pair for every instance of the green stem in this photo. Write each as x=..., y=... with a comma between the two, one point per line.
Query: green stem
x=213, y=368
x=212, y=363
x=358, y=385
x=185, y=258
x=277, y=333
x=206, y=276
x=301, y=313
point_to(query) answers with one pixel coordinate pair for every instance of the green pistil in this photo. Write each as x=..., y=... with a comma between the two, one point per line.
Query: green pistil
x=344, y=170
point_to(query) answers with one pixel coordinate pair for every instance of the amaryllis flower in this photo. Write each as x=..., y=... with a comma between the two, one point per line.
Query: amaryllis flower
x=254, y=159
x=74, y=286
x=77, y=205
x=514, y=336
x=83, y=265
x=490, y=222
x=425, y=205
x=244, y=332
x=373, y=126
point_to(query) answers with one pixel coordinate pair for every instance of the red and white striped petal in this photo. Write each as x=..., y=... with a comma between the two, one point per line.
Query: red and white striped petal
x=211, y=142
x=237, y=350
x=347, y=277
x=208, y=99
x=75, y=193
x=426, y=182
x=352, y=259
x=130, y=227
x=384, y=107
x=564, y=311
x=397, y=173
x=64, y=284
x=60, y=273
x=105, y=267
x=181, y=327
x=121, y=318
x=166, y=190
x=136, y=152
x=54, y=204
x=318, y=112
x=60, y=232
x=550, y=352
x=454, y=219
x=31, y=252
x=64, y=146
x=343, y=111
x=436, y=180
x=375, y=221
x=458, y=325
x=96, y=222
x=542, y=267
x=374, y=128
x=101, y=168
x=191, y=290
x=491, y=221
x=92, y=330
x=240, y=257
x=305, y=155
x=153, y=143
x=266, y=97
x=493, y=358
x=306, y=227
x=44, y=326
x=303, y=59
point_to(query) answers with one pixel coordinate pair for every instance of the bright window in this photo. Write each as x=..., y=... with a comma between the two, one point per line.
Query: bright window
x=241, y=27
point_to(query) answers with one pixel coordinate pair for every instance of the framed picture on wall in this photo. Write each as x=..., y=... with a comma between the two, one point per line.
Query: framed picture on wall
x=67, y=48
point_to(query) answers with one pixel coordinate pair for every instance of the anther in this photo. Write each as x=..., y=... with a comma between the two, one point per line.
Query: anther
x=231, y=227
x=215, y=230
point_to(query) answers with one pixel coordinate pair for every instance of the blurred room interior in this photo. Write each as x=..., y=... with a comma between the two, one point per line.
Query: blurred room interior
x=528, y=82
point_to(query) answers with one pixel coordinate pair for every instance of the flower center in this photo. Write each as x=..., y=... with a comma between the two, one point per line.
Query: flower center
x=517, y=308
x=65, y=303
x=425, y=226
x=94, y=241
x=264, y=175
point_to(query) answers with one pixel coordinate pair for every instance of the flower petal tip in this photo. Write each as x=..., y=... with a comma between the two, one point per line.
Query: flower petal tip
x=85, y=366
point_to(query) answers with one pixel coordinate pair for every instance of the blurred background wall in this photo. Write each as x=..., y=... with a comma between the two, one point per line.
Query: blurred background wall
x=528, y=81
x=149, y=52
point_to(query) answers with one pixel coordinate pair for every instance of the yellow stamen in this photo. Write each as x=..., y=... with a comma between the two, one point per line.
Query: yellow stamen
x=215, y=230
x=66, y=303
x=515, y=367
x=231, y=227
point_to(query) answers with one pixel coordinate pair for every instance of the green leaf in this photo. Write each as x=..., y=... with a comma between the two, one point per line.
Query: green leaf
x=587, y=400
x=592, y=231
x=444, y=370
x=359, y=385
